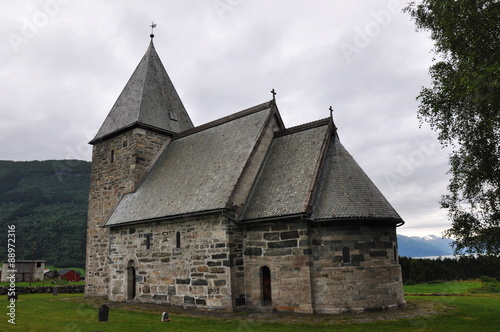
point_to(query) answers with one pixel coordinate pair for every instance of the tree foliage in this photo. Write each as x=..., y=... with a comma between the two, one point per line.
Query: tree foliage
x=419, y=270
x=463, y=106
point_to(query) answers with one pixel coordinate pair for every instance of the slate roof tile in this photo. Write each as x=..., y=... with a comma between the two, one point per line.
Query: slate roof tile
x=196, y=172
x=200, y=168
x=345, y=191
x=147, y=99
x=285, y=180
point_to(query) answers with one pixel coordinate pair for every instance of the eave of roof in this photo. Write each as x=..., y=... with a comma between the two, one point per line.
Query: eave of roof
x=131, y=127
x=165, y=218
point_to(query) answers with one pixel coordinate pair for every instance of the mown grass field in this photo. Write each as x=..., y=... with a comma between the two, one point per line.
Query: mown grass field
x=73, y=312
x=453, y=287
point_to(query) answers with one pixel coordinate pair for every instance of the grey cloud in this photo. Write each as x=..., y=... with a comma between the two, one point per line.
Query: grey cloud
x=63, y=80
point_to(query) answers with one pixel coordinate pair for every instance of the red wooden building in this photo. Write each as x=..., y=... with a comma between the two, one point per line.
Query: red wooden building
x=69, y=275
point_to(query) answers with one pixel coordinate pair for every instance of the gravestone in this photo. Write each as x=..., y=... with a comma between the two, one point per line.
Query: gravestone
x=103, y=313
x=54, y=291
x=164, y=317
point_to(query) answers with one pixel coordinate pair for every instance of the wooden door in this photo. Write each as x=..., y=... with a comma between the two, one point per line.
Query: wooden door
x=266, y=285
x=131, y=283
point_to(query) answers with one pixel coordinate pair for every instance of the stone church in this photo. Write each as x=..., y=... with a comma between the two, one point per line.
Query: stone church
x=238, y=213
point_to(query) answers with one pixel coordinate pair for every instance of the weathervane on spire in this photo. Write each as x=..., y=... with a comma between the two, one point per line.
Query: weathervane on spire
x=153, y=25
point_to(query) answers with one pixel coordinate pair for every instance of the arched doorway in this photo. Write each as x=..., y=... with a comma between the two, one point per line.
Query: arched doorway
x=131, y=280
x=265, y=276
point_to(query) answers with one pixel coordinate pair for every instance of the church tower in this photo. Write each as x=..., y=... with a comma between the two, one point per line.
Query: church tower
x=143, y=119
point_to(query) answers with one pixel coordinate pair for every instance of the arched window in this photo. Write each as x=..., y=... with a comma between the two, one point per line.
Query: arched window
x=178, y=240
x=265, y=276
x=346, y=255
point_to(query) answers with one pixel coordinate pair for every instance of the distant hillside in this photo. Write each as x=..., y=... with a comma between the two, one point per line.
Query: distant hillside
x=414, y=246
x=47, y=202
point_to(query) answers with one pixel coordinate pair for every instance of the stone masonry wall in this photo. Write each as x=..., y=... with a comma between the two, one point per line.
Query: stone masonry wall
x=369, y=278
x=118, y=164
x=284, y=249
x=198, y=274
x=44, y=289
x=236, y=264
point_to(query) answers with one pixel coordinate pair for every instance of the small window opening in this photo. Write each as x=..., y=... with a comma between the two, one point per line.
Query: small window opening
x=38, y=264
x=178, y=240
x=125, y=143
x=112, y=156
x=396, y=253
x=148, y=241
x=346, y=255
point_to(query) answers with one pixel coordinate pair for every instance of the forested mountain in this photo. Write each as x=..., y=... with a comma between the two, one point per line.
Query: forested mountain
x=47, y=203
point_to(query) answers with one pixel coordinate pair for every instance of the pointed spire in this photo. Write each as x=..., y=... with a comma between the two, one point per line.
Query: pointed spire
x=148, y=100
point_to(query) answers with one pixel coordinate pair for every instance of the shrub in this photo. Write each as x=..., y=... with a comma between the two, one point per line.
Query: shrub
x=490, y=285
x=485, y=279
x=436, y=282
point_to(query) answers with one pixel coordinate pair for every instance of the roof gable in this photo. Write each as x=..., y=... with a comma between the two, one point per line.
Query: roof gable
x=197, y=171
x=287, y=176
x=63, y=272
x=149, y=99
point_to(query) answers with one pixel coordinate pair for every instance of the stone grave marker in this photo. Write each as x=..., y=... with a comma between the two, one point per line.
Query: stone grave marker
x=164, y=317
x=103, y=313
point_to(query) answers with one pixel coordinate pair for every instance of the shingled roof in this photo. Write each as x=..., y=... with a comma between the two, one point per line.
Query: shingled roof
x=287, y=177
x=303, y=171
x=345, y=191
x=308, y=172
x=149, y=100
x=198, y=171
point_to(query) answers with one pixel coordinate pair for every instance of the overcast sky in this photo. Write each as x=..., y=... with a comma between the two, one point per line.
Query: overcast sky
x=64, y=63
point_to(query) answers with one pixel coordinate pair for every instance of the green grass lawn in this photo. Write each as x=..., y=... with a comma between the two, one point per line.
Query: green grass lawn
x=452, y=287
x=72, y=312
